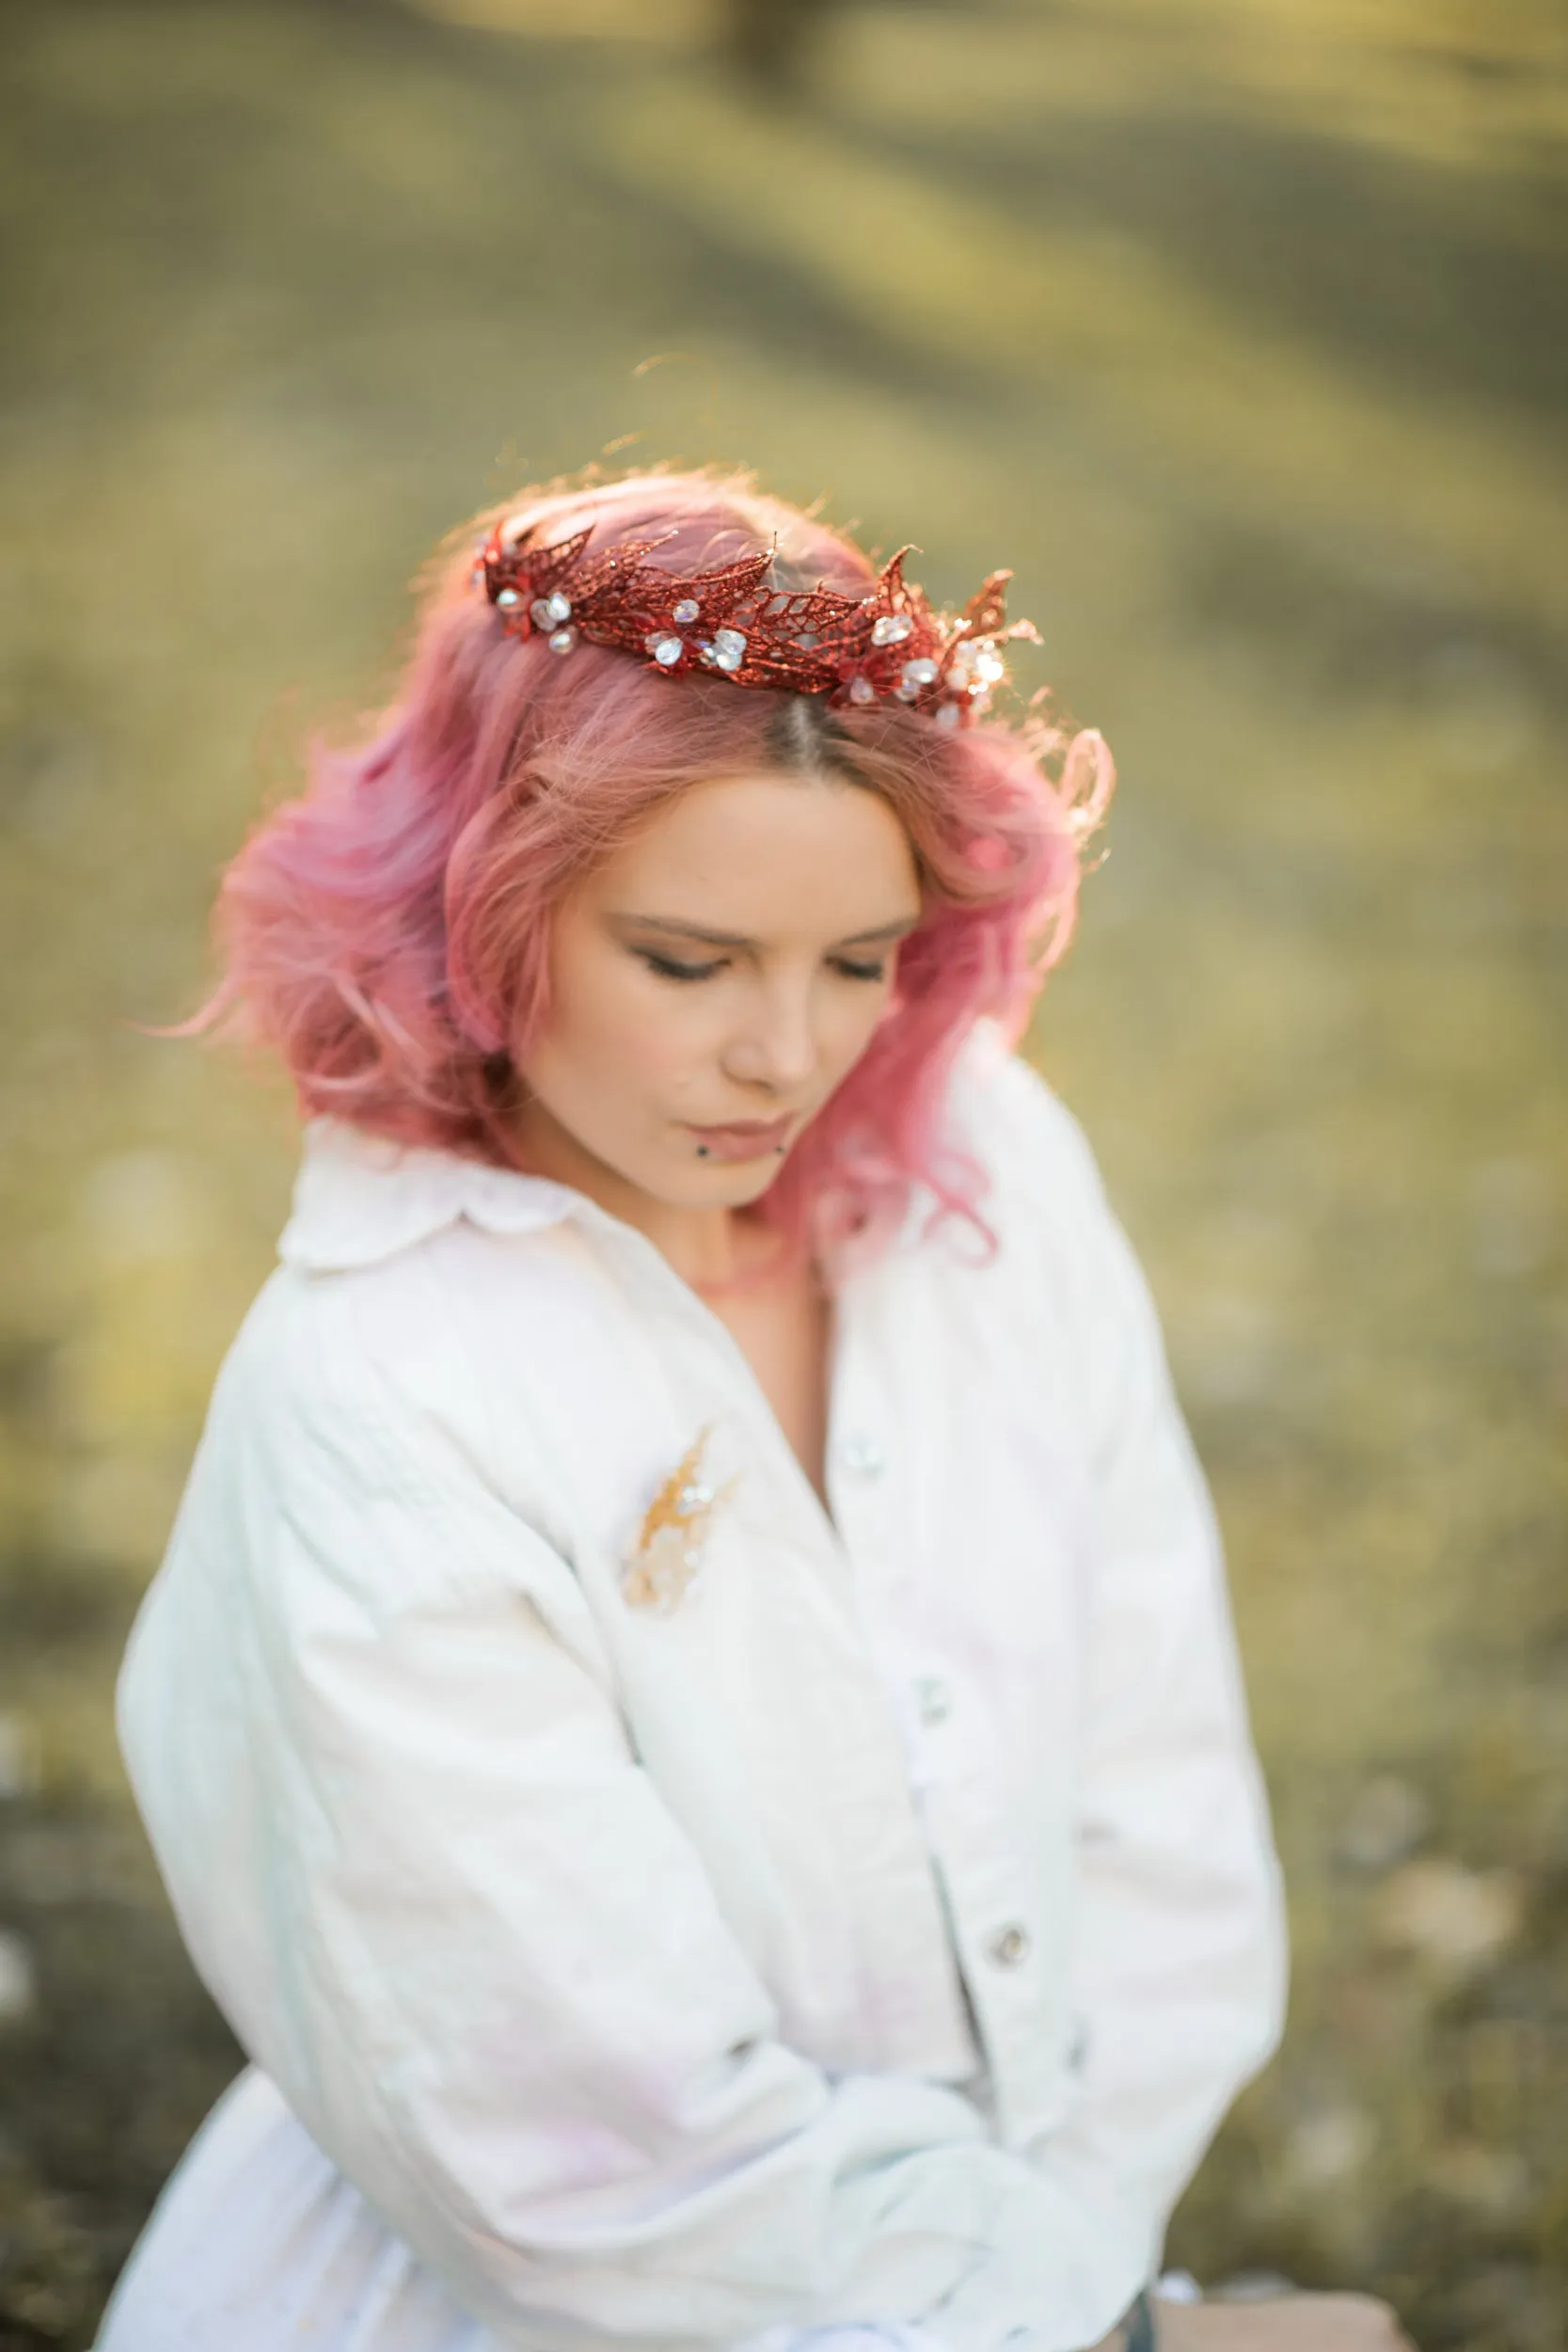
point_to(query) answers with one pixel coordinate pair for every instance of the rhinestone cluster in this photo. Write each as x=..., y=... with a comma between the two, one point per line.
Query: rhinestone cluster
x=887, y=646
x=667, y=1554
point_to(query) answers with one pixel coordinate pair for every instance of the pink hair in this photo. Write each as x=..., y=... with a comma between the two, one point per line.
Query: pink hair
x=388, y=932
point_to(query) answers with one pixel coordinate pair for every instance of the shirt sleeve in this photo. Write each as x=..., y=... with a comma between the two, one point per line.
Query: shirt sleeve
x=1179, y=1976
x=420, y=1869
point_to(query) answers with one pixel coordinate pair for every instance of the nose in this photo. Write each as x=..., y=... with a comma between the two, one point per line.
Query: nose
x=777, y=1047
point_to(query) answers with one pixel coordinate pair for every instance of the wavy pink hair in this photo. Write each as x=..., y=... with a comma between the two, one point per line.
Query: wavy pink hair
x=388, y=932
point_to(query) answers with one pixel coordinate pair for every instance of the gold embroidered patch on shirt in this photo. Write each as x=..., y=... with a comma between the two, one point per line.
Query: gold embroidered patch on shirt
x=669, y=1548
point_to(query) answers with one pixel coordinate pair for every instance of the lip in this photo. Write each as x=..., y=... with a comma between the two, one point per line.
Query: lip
x=744, y=1138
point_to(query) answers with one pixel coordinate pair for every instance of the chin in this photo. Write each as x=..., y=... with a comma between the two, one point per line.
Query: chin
x=752, y=1182
x=734, y=1184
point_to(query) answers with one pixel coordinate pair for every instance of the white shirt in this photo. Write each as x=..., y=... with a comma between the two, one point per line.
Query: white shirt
x=631, y=1964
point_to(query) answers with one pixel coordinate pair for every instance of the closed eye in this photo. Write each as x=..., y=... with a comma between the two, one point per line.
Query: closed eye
x=670, y=968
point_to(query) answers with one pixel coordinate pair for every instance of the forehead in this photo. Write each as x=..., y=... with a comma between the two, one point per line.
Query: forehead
x=765, y=853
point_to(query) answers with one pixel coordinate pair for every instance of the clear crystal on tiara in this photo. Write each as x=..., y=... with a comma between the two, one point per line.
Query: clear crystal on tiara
x=818, y=640
x=949, y=714
x=476, y=578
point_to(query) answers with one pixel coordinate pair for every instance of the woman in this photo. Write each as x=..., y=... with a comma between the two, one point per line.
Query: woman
x=690, y=1719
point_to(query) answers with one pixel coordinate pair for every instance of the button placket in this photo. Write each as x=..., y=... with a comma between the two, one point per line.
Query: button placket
x=1010, y=1946
x=861, y=1455
x=933, y=1700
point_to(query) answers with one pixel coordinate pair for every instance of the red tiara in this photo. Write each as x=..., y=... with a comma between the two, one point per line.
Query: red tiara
x=889, y=646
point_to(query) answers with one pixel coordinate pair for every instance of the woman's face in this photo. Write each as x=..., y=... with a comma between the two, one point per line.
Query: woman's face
x=714, y=981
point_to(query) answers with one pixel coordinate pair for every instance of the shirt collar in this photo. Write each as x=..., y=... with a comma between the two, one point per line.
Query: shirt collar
x=359, y=1198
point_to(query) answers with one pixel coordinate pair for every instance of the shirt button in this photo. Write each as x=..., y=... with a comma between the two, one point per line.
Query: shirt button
x=859, y=1452
x=1008, y=1946
x=934, y=1701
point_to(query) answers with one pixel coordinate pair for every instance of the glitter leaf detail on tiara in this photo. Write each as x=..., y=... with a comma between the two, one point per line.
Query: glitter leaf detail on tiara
x=886, y=647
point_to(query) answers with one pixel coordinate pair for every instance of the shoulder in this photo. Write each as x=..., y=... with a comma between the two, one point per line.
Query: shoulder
x=1039, y=1167
x=1061, y=1268
x=359, y=1418
x=335, y=1361
x=406, y=1275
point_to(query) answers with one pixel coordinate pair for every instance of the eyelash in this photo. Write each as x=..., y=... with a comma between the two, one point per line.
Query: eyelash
x=667, y=969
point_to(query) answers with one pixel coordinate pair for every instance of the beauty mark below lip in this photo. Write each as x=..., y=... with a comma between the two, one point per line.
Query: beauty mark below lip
x=745, y=1138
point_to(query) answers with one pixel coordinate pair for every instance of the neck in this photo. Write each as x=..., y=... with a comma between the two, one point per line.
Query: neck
x=708, y=1248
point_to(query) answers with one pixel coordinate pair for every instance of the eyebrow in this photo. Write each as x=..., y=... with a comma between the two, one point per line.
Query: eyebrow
x=883, y=934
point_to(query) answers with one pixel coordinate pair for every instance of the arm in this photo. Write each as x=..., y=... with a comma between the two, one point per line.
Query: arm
x=446, y=1911
x=1181, y=1956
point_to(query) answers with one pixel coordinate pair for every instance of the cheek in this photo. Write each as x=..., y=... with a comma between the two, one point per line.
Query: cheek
x=615, y=1026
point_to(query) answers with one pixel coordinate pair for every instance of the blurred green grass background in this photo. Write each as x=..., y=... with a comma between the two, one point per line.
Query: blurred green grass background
x=1238, y=327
